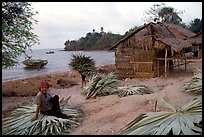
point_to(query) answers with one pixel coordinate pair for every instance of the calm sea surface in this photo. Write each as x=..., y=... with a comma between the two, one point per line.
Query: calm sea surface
x=57, y=62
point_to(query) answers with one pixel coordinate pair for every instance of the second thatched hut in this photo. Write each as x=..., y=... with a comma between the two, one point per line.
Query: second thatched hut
x=196, y=42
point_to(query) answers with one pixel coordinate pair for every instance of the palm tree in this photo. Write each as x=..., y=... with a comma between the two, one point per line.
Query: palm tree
x=85, y=65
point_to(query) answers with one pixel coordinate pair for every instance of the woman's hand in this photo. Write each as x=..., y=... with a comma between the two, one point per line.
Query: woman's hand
x=36, y=113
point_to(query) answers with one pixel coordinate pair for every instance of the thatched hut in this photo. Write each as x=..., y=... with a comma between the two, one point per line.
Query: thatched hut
x=149, y=51
x=196, y=42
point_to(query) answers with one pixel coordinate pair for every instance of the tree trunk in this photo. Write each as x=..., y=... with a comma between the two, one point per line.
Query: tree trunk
x=83, y=77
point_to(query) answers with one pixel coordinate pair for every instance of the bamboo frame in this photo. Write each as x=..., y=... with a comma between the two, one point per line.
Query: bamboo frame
x=149, y=62
x=165, y=71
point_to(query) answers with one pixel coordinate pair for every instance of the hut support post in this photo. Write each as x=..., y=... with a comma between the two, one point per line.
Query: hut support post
x=165, y=63
x=185, y=64
x=198, y=53
x=157, y=67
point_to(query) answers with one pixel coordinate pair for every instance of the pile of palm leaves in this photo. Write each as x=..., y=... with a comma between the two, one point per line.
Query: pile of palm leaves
x=184, y=120
x=101, y=85
x=195, y=84
x=133, y=89
x=19, y=122
x=85, y=65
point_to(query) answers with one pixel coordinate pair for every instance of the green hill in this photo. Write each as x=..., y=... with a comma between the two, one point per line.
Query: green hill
x=93, y=41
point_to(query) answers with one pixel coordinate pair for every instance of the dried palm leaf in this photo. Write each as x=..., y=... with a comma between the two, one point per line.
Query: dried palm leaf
x=133, y=89
x=101, y=85
x=195, y=84
x=19, y=122
x=184, y=120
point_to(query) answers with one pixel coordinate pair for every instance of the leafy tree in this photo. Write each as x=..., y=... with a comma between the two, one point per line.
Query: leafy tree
x=88, y=34
x=17, y=21
x=196, y=25
x=169, y=15
x=93, y=41
x=67, y=42
x=101, y=29
x=152, y=13
x=130, y=30
x=161, y=13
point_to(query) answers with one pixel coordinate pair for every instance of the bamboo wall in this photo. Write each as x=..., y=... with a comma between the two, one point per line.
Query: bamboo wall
x=123, y=67
x=200, y=53
x=135, y=58
x=138, y=58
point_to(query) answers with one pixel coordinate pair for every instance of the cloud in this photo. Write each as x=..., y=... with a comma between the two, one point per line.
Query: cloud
x=61, y=21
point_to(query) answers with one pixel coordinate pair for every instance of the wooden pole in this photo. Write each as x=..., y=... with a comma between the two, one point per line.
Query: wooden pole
x=157, y=67
x=165, y=63
x=198, y=52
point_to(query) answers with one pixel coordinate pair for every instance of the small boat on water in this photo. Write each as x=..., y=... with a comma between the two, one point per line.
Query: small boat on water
x=50, y=52
x=35, y=63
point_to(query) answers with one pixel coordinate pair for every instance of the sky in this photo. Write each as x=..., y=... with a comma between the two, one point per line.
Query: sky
x=62, y=21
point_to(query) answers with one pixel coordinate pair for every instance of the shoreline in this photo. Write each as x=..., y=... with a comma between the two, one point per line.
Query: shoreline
x=28, y=86
x=50, y=73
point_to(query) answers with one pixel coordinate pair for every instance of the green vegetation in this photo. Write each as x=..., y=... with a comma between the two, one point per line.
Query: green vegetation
x=103, y=85
x=185, y=120
x=162, y=13
x=19, y=122
x=196, y=25
x=17, y=21
x=85, y=65
x=93, y=41
x=195, y=84
x=133, y=89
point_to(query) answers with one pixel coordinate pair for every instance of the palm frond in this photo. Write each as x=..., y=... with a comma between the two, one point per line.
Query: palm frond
x=101, y=85
x=83, y=64
x=183, y=121
x=133, y=89
x=19, y=122
x=195, y=84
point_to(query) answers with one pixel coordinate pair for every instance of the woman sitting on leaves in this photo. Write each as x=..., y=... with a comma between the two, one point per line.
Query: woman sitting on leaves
x=46, y=104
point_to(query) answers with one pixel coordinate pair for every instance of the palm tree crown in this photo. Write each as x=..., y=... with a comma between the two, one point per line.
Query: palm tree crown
x=85, y=65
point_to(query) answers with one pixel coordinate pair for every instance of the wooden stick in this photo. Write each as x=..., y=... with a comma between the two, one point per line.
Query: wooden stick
x=165, y=62
x=155, y=106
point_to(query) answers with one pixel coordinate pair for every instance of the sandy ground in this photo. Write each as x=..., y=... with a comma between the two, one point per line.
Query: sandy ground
x=107, y=115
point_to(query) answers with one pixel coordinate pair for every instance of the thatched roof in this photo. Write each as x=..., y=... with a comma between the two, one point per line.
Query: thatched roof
x=179, y=31
x=176, y=44
x=169, y=34
x=197, y=39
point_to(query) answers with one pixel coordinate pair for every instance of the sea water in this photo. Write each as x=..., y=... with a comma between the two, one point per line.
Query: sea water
x=57, y=62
